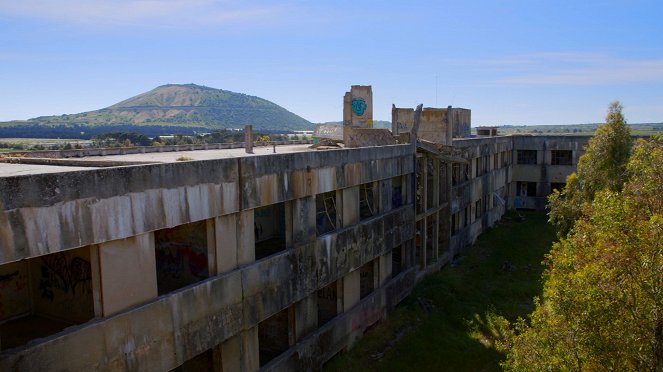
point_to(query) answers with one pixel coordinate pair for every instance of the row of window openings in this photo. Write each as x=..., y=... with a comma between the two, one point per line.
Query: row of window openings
x=276, y=334
x=432, y=179
x=557, y=157
x=432, y=245
x=54, y=291
x=461, y=219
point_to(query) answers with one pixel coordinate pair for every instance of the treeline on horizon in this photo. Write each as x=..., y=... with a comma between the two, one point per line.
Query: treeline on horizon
x=81, y=132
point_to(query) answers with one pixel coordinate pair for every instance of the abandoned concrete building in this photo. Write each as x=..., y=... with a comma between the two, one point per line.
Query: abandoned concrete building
x=128, y=259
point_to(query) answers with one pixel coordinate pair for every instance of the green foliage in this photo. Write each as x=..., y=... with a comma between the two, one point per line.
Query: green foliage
x=121, y=138
x=603, y=166
x=602, y=306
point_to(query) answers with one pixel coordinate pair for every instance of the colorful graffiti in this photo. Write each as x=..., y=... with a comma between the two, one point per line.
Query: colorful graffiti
x=359, y=106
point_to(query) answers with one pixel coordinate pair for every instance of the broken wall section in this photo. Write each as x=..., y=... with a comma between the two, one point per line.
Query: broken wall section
x=436, y=125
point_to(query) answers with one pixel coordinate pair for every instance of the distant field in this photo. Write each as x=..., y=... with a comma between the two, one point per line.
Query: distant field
x=31, y=141
x=644, y=129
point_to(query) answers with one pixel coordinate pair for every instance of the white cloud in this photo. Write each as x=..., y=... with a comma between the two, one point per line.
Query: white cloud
x=576, y=69
x=166, y=13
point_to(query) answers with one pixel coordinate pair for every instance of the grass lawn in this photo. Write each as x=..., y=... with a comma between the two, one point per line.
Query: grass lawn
x=447, y=323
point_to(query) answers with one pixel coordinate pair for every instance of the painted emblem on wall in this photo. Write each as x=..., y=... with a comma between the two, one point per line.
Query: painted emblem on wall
x=358, y=106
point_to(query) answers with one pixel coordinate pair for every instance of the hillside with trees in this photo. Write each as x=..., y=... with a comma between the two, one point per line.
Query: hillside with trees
x=167, y=109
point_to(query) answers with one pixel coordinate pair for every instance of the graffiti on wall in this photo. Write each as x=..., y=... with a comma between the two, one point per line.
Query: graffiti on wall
x=358, y=106
x=60, y=273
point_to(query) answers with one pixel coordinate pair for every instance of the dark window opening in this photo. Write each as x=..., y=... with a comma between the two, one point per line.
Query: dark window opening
x=526, y=189
x=419, y=244
x=442, y=233
x=44, y=295
x=477, y=209
x=430, y=183
x=201, y=362
x=526, y=157
x=368, y=206
x=419, y=196
x=327, y=303
x=396, y=261
x=397, y=199
x=269, y=230
x=325, y=216
x=561, y=157
x=455, y=174
x=442, y=183
x=366, y=279
x=273, y=336
x=181, y=256
x=430, y=242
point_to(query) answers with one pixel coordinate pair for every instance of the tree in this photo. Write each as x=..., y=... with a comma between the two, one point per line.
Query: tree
x=602, y=166
x=602, y=306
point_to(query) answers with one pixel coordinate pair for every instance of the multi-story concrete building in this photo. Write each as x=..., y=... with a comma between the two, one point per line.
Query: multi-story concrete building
x=277, y=260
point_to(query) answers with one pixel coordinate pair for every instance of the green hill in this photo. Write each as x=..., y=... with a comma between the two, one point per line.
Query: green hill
x=178, y=107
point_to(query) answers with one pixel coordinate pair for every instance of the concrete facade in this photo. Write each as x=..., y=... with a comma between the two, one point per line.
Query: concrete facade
x=245, y=261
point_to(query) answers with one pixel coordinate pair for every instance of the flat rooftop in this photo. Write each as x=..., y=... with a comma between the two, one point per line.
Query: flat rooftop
x=73, y=164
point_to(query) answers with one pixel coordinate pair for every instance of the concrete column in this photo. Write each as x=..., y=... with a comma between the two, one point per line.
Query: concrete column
x=250, y=360
x=350, y=206
x=210, y=229
x=246, y=252
x=351, y=290
x=127, y=272
x=385, y=269
x=231, y=353
x=385, y=189
x=248, y=139
x=226, y=242
x=303, y=221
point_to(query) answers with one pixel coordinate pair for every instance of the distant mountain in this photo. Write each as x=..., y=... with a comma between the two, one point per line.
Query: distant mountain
x=181, y=106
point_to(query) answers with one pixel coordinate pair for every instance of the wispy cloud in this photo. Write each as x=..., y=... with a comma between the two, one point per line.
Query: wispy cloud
x=139, y=12
x=574, y=69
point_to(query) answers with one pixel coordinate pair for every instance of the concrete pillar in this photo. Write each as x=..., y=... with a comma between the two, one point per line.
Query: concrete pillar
x=385, y=189
x=384, y=266
x=210, y=229
x=248, y=139
x=303, y=220
x=250, y=360
x=231, y=353
x=350, y=206
x=226, y=243
x=246, y=252
x=351, y=290
x=127, y=272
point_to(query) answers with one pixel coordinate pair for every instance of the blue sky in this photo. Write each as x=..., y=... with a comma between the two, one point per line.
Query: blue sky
x=510, y=62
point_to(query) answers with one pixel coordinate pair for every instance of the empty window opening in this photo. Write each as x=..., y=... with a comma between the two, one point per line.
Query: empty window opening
x=419, y=196
x=396, y=261
x=327, y=303
x=269, y=230
x=367, y=201
x=430, y=240
x=430, y=183
x=273, y=336
x=397, y=199
x=201, y=362
x=526, y=189
x=443, y=233
x=561, y=157
x=419, y=244
x=442, y=183
x=477, y=209
x=325, y=216
x=526, y=157
x=44, y=295
x=366, y=279
x=181, y=256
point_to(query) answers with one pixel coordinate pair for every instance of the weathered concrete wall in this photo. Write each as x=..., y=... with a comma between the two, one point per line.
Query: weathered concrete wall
x=14, y=290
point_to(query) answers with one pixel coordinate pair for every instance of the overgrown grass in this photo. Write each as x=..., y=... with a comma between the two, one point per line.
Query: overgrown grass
x=449, y=322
